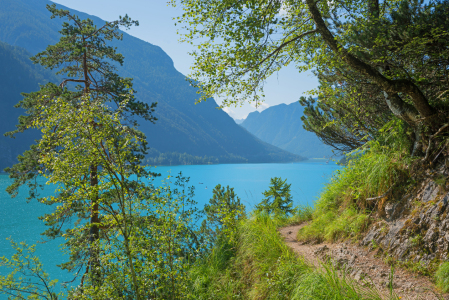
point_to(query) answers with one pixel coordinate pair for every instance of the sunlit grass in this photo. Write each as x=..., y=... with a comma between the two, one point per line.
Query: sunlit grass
x=261, y=266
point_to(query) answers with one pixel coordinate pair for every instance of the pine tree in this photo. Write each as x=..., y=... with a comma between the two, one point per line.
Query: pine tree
x=277, y=198
x=83, y=57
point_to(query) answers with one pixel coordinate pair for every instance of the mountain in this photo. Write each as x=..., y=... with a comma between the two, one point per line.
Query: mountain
x=18, y=75
x=281, y=126
x=184, y=131
x=239, y=121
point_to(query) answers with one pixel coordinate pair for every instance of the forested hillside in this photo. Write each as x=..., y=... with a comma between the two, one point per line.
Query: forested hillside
x=18, y=75
x=183, y=128
x=281, y=126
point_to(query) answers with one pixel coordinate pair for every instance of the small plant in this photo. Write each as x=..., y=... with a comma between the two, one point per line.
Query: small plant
x=417, y=267
x=389, y=260
x=442, y=277
x=441, y=181
x=384, y=228
x=416, y=240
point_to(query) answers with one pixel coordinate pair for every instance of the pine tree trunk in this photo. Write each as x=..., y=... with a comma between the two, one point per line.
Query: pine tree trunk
x=94, y=230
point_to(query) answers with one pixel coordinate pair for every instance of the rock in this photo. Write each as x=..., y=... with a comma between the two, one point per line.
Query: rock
x=393, y=235
x=372, y=235
x=389, y=209
x=431, y=237
x=390, y=237
x=359, y=275
x=321, y=250
x=352, y=259
x=386, y=283
x=430, y=192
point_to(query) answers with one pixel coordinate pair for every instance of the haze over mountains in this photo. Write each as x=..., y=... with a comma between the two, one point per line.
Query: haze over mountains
x=184, y=132
x=281, y=126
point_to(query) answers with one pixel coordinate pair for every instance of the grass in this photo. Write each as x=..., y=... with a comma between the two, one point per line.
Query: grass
x=261, y=266
x=442, y=277
x=258, y=265
x=343, y=211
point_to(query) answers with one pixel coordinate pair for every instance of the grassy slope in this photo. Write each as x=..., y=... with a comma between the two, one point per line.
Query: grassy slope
x=343, y=211
x=261, y=266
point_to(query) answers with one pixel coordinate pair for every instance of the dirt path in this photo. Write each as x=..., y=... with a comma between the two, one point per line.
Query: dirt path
x=363, y=266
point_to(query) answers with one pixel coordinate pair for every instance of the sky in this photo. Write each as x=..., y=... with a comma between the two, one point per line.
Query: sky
x=158, y=28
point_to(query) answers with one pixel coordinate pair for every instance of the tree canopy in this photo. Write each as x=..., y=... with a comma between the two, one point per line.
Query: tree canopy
x=376, y=60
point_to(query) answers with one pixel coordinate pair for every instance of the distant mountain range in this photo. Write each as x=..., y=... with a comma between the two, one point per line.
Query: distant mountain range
x=281, y=126
x=184, y=132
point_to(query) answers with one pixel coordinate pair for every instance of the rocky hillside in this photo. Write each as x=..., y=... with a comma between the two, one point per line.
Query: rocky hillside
x=415, y=228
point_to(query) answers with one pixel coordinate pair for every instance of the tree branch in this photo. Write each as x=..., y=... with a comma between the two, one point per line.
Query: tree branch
x=390, y=86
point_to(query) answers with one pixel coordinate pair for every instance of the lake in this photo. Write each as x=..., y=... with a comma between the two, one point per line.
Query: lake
x=19, y=219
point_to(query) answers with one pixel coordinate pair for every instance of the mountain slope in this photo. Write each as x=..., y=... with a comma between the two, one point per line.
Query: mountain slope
x=281, y=126
x=183, y=127
x=18, y=75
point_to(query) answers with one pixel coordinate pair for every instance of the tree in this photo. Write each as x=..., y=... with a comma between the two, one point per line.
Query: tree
x=147, y=234
x=397, y=47
x=224, y=210
x=76, y=152
x=277, y=198
x=26, y=265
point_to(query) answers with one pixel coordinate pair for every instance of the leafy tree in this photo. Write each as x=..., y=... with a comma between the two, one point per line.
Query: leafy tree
x=90, y=133
x=126, y=239
x=147, y=235
x=25, y=266
x=79, y=161
x=277, y=198
x=397, y=49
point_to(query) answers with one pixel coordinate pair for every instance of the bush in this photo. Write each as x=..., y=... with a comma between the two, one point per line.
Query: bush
x=301, y=213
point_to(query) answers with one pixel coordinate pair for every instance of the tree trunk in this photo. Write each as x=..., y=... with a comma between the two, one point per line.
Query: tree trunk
x=391, y=87
x=94, y=230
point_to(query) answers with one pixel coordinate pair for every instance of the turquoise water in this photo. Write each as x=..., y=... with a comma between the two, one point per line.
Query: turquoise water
x=19, y=219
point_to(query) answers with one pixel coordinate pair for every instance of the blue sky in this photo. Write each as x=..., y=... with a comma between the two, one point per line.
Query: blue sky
x=157, y=27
